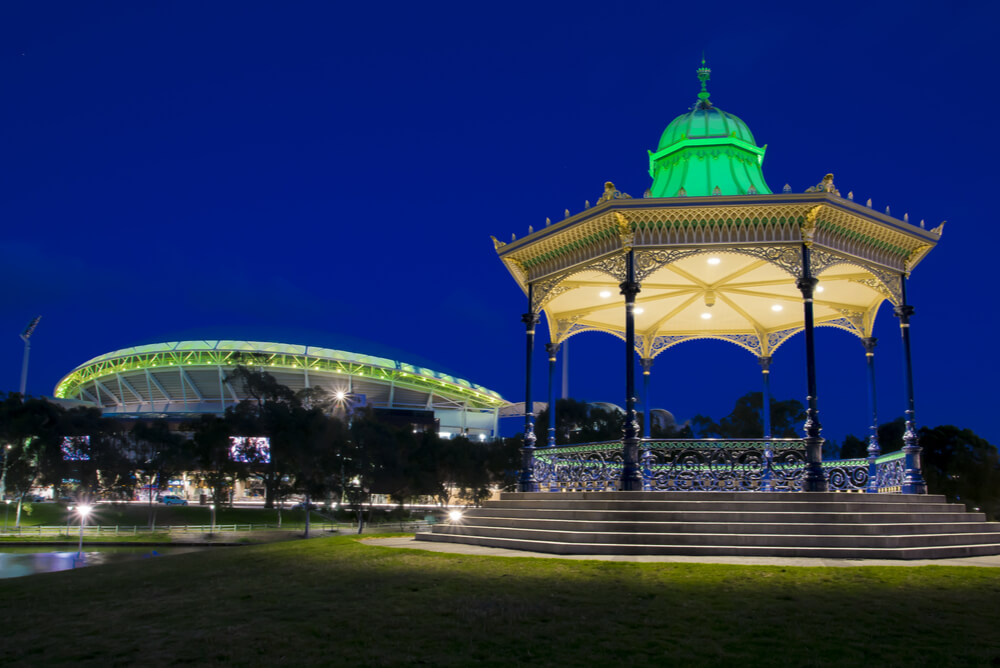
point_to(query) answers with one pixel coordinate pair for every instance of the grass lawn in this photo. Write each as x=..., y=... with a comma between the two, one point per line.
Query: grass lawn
x=335, y=601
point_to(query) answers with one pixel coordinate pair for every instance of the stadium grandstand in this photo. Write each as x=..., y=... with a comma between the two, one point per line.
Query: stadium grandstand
x=183, y=379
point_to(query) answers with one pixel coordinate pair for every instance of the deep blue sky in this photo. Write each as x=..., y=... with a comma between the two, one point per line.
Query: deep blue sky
x=330, y=173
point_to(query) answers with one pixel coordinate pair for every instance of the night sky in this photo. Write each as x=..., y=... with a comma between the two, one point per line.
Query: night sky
x=330, y=174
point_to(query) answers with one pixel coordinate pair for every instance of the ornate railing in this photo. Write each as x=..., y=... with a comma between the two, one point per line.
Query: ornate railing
x=707, y=465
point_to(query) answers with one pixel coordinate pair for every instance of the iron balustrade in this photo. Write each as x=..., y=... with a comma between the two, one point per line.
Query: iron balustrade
x=707, y=465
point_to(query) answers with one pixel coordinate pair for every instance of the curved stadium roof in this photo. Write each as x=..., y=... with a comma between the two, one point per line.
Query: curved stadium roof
x=189, y=377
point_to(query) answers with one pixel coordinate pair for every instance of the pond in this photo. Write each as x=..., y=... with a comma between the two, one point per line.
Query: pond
x=19, y=561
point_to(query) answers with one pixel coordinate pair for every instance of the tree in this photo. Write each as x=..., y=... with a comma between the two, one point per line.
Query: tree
x=853, y=447
x=963, y=467
x=316, y=459
x=579, y=422
x=746, y=419
x=217, y=469
x=271, y=411
x=30, y=431
x=156, y=455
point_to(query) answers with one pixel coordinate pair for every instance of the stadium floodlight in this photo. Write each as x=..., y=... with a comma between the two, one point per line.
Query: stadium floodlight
x=26, y=337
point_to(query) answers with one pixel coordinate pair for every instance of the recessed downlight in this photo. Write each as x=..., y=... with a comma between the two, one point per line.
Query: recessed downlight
x=714, y=260
x=819, y=288
x=706, y=316
x=777, y=307
x=638, y=310
x=605, y=294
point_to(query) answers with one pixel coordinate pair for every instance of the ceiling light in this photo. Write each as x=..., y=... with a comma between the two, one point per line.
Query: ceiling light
x=706, y=316
x=819, y=288
x=605, y=294
x=777, y=307
x=638, y=310
x=714, y=260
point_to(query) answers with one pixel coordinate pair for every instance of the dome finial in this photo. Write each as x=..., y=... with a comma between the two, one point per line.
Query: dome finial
x=704, y=74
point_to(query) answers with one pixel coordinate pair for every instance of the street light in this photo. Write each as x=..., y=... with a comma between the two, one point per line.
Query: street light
x=212, y=508
x=5, y=515
x=69, y=516
x=84, y=510
x=26, y=336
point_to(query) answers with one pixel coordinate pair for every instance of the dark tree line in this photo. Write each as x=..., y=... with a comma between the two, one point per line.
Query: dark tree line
x=316, y=450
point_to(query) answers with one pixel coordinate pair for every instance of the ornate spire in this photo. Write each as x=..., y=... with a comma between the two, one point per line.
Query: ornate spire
x=704, y=74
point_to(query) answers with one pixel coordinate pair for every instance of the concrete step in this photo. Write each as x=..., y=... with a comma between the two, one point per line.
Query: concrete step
x=654, y=526
x=558, y=503
x=724, y=515
x=727, y=496
x=551, y=547
x=724, y=539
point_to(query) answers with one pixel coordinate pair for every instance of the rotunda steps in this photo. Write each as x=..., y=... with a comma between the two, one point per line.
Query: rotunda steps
x=831, y=525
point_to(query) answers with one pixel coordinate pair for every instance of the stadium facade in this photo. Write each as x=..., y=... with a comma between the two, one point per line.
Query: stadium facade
x=184, y=379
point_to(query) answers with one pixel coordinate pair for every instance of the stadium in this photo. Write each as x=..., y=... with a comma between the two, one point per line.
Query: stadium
x=184, y=379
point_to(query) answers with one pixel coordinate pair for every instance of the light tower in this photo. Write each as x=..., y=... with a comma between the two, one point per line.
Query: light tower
x=26, y=337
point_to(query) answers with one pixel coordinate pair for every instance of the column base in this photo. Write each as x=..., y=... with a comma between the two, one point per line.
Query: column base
x=815, y=479
x=631, y=480
x=527, y=482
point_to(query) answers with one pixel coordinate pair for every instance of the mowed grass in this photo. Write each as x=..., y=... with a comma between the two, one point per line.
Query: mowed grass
x=336, y=601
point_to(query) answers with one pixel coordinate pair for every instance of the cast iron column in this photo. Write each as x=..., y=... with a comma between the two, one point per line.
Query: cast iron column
x=814, y=480
x=913, y=478
x=528, y=482
x=631, y=478
x=552, y=349
x=647, y=417
x=765, y=370
x=874, y=450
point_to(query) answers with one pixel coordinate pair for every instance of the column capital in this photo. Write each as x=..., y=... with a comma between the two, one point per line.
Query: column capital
x=530, y=320
x=765, y=362
x=869, y=343
x=647, y=364
x=806, y=285
x=630, y=289
x=903, y=312
x=552, y=348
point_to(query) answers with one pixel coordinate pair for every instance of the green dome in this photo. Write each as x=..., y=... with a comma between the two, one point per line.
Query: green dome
x=705, y=122
x=707, y=151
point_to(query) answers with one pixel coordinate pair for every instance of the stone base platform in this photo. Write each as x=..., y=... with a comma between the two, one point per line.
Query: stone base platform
x=824, y=525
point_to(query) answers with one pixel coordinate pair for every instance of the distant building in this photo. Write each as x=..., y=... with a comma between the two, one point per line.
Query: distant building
x=182, y=380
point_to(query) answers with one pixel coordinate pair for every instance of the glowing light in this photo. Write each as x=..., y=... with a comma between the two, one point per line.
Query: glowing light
x=819, y=288
x=341, y=395
x=777, y=307
x=605, y=293
x=639, y=311
x=714, y=260
x=455, y=515
x=706, y=316
x=84, y=510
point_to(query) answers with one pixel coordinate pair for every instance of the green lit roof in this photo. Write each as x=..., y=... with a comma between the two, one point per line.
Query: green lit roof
x=705, y=152
x=265, y=354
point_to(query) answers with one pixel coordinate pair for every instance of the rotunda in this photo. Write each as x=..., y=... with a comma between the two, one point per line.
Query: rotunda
x=710, y=252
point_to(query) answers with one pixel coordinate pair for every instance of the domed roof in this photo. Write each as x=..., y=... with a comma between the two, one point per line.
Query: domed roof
x=705, y=121
x=707, y=151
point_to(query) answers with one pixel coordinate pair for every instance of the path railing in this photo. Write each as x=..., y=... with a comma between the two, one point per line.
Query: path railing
x=776, y=465
x=92, y=531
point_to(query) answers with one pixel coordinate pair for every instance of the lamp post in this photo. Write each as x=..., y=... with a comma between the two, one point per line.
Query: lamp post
x=84, y=510
x=212, y=508
x=69, y=517
x=6, y=514
x=26, y=337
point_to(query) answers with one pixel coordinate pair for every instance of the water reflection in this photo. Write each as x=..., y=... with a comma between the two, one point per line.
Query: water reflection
x=18, y=562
